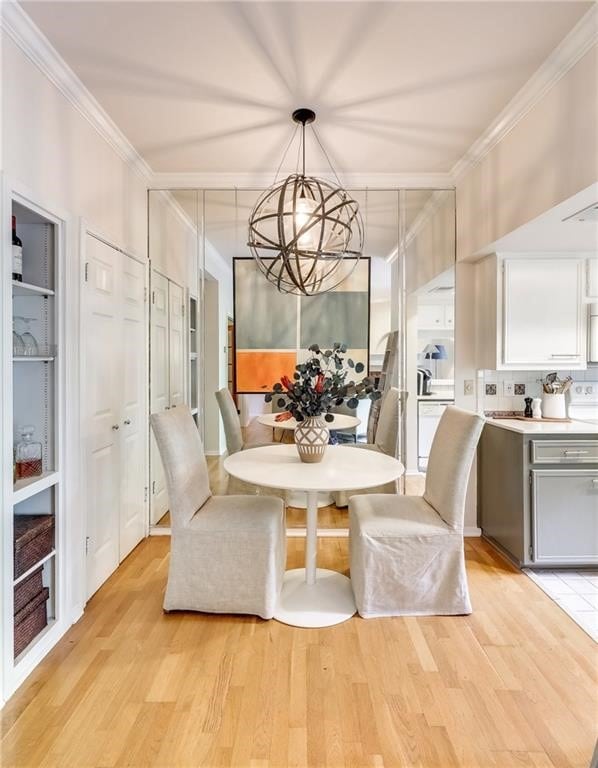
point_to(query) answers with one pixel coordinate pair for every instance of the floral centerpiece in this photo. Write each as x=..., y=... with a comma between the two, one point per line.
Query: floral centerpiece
x=318, y=385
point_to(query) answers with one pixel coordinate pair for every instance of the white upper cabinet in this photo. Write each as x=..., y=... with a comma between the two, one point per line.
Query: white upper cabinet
x=435, y=316
x=531, y=313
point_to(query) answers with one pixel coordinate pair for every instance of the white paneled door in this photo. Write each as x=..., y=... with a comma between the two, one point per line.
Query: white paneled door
x=115, y=410
x=133, y=382
x=102, y=421
x=168, y=372
x=159, y=388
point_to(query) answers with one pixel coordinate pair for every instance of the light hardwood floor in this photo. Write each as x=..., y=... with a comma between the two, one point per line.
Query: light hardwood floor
x=514, y=684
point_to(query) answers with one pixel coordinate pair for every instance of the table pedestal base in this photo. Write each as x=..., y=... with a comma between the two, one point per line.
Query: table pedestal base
x=327, y=602
x=298, y=499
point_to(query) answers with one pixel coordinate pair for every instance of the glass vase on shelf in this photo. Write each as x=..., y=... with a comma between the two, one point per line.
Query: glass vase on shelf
x=28, y=455
x=18, y=346
x=30, y=346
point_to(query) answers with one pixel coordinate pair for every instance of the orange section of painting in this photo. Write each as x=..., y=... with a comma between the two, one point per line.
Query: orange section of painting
x=258, y=371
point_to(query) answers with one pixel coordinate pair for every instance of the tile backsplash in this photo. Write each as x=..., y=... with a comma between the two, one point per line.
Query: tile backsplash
x=506, y=390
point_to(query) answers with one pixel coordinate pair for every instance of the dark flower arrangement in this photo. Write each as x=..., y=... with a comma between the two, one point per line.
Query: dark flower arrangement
x=319, y=384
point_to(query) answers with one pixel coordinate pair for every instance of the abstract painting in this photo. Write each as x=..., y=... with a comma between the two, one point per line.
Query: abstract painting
x=273, y=329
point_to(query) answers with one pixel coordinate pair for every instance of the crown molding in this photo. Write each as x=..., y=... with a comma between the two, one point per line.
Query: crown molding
x=35, y=45
x=390, y=181
x=563, y=58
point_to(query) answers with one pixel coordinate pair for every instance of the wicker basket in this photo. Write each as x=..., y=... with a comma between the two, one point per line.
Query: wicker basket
x=33, y=540
x=28, y=589
x=30, y=621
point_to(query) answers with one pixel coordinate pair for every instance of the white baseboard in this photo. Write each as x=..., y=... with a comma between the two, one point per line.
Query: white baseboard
x=159, y=530
x=215, y=453
x=472, y=530
x=323, y=533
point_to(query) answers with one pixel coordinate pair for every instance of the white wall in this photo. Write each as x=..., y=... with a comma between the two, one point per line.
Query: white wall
x=216, y=318
x=53, y=153
x=550, y=155
x=51, y=149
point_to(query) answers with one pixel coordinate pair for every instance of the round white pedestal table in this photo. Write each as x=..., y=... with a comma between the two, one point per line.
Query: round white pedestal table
x=311, y=596
x=341, y=421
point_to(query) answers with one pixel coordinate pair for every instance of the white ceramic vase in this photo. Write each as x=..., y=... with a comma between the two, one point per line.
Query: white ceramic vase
x=311, y=439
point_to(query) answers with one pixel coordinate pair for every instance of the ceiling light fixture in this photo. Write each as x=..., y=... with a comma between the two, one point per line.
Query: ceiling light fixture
x=302, y=229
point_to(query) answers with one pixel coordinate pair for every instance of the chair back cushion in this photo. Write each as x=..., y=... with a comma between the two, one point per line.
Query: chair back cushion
x=230, y=419
x=184, y=463
x=451, y=456
x=387, y=431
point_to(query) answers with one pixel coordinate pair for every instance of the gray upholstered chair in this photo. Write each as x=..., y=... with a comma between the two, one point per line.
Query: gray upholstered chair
x=234, y=443
x=386, y=440
x=227, y=553
x=348, y=435
x=407, y=551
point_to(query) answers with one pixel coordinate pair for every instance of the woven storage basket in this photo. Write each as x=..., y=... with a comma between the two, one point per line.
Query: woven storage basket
x=25, y=591
x=33, y=539
x=30, y=621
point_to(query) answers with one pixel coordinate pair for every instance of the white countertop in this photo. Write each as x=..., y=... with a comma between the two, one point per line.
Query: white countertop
x=546, y=428
x=448, y=397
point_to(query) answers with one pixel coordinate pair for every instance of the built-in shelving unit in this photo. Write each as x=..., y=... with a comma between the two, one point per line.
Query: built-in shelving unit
x=33, y=394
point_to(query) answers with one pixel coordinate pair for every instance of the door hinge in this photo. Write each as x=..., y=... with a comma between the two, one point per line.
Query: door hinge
x=530, y=552
x=145, y=493
x=87, y=545
x=153, y=487
x=144, y=295
x=153, y=297
x=86, y=271
x=183, y=309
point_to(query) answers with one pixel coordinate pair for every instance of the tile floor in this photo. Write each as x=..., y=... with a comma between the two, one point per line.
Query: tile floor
x=576, y=592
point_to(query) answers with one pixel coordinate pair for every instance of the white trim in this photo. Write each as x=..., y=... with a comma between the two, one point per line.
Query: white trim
x=563, y=58
x=198, y=180
x=472, y=530
x=36, y=46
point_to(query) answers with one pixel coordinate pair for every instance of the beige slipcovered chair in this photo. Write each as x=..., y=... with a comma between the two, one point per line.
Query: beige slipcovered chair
x=407, y=551
x=386, y=439
x=234, y=443
x=227, y=553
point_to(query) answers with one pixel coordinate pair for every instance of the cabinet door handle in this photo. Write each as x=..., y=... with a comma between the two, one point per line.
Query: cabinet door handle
x=127, y=421
x=166, y=407
x=575, y=453
x=595, y=481
x=115, y=427
x=561, y=356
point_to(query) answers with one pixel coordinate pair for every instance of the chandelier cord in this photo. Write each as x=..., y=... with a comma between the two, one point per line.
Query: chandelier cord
x=285, y=153
x=326, y=156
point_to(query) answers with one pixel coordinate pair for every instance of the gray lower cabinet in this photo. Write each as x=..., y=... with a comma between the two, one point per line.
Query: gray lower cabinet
x=538, y=496
x=564, y=516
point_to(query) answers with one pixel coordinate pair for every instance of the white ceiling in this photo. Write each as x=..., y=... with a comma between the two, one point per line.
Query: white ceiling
x=399, y=87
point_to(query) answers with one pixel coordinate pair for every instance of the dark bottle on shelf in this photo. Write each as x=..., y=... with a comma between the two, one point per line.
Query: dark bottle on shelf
x=17, y=253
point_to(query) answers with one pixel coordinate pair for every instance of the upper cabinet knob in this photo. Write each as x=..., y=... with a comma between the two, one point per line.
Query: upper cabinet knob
x=115, y=427
x=127, y=421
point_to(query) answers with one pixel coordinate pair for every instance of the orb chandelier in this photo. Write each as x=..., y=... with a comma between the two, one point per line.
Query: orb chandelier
x=306, y=234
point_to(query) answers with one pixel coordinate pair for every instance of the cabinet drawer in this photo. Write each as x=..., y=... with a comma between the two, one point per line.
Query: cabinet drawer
x=564, y=451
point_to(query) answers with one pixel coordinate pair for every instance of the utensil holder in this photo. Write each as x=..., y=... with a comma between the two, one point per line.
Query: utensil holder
x=554, y=406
